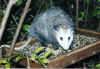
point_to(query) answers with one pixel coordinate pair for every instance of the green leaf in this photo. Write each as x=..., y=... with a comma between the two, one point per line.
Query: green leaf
x=87, y=1
x=48, y=53
x=82, y=15
x=33, y=57
x=26, y=27
x=43, y=60
x=7, y=66
x=38, y=50
x=19, y=2
x=4, y=61
x=97, y=66
x=98, y=0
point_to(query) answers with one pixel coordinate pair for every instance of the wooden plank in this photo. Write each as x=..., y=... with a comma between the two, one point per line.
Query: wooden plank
x=32, y=64
x=75, y=56
x=88, y=32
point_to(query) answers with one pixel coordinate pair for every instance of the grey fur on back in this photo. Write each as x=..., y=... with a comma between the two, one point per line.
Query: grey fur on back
x=42, y=26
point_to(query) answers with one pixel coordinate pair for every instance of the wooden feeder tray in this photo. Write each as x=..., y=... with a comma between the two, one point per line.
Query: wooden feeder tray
x=73, y=56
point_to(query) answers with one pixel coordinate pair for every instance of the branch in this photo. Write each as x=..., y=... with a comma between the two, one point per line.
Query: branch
x=28, y=63
x=77, y=8
x=19, y=26
x=5, y=18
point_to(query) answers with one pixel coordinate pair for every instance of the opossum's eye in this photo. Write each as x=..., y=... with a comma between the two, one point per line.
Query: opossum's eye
x=61, y=38
x=68, y=38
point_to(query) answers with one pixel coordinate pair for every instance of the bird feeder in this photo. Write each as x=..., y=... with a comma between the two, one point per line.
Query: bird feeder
x=71, y=57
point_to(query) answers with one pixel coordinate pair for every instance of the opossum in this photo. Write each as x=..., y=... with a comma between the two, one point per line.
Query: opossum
x=53, y=26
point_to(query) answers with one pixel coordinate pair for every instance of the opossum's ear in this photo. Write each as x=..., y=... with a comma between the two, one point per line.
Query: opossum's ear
x=56, y=27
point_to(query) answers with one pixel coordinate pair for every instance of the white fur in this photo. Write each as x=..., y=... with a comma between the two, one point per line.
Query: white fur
x=65, y=43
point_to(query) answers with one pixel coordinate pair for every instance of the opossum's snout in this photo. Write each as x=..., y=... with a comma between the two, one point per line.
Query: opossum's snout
x=64, y=37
